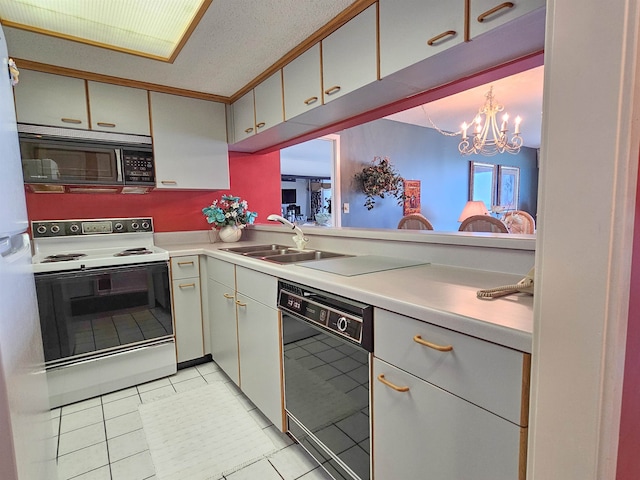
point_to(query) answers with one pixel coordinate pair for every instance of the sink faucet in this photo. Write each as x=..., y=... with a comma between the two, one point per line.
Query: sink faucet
x=299, y=238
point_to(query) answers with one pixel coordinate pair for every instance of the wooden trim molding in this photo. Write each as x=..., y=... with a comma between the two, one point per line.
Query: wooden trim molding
x=343, y=17
x=187, y=34
x=526, y=388
x=98, y=77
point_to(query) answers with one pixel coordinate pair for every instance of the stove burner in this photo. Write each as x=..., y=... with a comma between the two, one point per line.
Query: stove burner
x=63, y=257
x=133, y=251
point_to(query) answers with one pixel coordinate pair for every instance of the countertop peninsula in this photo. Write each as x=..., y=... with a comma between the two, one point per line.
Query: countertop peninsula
x=438, y=294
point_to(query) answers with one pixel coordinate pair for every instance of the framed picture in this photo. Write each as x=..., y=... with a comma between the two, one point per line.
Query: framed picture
x=508, y=187
x=412, y=197
x=482, y=182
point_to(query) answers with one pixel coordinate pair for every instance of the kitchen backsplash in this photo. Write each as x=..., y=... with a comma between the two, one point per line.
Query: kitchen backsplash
x=255, y=178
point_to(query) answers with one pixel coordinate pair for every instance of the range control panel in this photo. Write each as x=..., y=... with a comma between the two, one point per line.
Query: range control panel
x=69, y=228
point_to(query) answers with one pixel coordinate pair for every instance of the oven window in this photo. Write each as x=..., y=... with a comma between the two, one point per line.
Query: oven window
x=327, y=392
x=84, y=313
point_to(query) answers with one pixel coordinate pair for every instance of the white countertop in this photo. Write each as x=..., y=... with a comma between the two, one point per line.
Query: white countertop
x=438, y=294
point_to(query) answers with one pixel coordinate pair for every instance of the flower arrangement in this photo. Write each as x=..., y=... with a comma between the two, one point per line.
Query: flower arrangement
x=229, y=210
x=380, y=179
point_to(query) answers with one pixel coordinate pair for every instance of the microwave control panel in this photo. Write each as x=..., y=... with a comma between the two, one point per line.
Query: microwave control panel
x=138, y=168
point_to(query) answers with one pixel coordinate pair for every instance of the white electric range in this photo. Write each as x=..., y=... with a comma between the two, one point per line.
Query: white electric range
x=105, y=305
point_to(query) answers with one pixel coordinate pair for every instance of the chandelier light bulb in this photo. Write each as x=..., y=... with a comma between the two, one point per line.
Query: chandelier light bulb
x=465, y=127
x=505, y=119
x=517, y=129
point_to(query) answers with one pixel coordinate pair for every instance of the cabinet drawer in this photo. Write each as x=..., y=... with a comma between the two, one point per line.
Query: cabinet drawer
x=184, y=267
x=486, y=374
x=256, y=285
x=221, y=271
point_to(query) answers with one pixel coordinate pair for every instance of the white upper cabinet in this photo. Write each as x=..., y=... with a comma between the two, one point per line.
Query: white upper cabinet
x=488, y=14
x=189, y=143
x=244, y=121
x=349, y=56
x=412, y=30
x=302, y=83
x=115, y=108
x=54, y=100
x=268, y=102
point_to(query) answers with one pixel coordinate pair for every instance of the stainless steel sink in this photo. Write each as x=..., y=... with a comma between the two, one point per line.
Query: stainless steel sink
x=302, y=256
x=282, y=254
x=255, y=248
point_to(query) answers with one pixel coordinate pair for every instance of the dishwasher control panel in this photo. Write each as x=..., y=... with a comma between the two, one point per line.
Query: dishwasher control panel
x=344, y=317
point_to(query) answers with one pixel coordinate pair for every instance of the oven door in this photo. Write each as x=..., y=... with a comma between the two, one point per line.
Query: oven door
x=327, y=397
x=84, y=314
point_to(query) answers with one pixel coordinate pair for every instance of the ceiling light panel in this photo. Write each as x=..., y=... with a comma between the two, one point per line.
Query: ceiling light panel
x=152, y=28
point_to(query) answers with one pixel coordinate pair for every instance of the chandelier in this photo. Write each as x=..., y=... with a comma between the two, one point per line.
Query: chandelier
x=487, y=139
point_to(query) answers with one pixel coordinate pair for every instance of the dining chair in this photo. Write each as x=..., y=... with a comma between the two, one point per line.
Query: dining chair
x=415, y=221
x=483, y=223
x=519, y=221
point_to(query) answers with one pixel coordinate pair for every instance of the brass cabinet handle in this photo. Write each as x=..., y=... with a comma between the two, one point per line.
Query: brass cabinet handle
x=391, y=385
x=240, y=304
x=104, y=124
x=249, y=130
x=310, y=100
x=440, y=348
x=187, y=285
x=488, y=13
x=169, y=182
x=185, y=263
x=443, y=35
x=260, y=125
x=226, y=295
x=332, y=90
x=71, y=120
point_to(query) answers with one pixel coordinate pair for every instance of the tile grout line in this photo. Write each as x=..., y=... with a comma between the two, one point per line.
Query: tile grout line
x=106, y=438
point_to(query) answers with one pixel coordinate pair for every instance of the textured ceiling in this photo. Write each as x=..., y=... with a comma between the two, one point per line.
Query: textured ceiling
x=235, y=42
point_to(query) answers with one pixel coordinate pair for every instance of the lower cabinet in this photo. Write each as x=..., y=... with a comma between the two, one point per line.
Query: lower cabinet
x=426, y=432
x=187, y=309
x=245, y=333
x=459, y=404
x=259, y=346
x=223, y=324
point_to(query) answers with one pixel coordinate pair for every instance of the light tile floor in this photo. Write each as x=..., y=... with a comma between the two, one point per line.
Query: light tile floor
x=102, y=438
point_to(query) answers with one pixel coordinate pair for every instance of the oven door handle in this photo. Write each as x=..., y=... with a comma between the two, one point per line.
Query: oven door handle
x=92, y=272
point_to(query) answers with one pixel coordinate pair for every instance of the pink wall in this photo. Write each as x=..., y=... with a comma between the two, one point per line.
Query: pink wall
x=629, y=440
x=255, y=178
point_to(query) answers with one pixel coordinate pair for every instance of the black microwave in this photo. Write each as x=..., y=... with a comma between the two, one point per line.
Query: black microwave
x=68, y=160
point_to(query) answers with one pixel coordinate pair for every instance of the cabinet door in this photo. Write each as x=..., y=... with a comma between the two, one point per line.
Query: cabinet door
x=488, y=14
x=47, y=99
x=118, y=109
x=187, y=315
x=412, y=30
x=260, y=357
x=349, y=56
x=302, y=83
x=244, y=122
x=268, y=98
x=443, y=436
x=224, y=328
x=189, y=143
